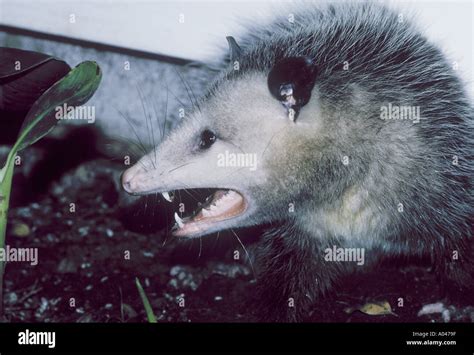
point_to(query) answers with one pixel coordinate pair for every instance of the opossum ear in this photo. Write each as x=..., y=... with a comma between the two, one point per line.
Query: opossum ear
x=234, y=49
x=291, y=81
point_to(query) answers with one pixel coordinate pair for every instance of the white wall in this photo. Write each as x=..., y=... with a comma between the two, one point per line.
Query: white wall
x=154, y=26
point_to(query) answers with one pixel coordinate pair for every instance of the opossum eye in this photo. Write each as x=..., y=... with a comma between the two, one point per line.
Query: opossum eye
x=207, y=139
x=291, y=81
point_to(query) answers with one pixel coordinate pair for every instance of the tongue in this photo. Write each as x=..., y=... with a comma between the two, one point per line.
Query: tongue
x=224, y=204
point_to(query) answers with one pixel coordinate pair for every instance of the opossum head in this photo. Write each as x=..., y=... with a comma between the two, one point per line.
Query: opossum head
x=258, y=138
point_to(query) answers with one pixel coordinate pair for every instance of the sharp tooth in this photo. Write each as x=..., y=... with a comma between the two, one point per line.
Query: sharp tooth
x=206, y=213
x=291, y=114
x=166, y=196
x=178, y=220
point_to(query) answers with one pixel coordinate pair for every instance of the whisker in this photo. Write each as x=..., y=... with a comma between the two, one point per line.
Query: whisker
x=186, y=190
x=151, y=140
x=134, y=148
x=166, y=112
x=188, y=90
x=183, y=105
x=167, y=226
x=183, y=165
x=140, y=143
x=155, y=110
x=235, y=145
x=146, y=204
x=246, y=252
x=185, y=87
x=200, y=248
x=235, y=171
x=216, y=240
x=270, y=141
x=177, y=99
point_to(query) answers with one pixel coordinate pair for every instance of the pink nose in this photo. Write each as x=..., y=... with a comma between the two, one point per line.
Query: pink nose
x=128, y=182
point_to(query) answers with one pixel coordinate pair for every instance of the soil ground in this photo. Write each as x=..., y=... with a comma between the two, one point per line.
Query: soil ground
x=91, y=252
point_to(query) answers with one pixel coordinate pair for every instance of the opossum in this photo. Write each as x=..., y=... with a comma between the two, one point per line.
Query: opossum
x=361, y=139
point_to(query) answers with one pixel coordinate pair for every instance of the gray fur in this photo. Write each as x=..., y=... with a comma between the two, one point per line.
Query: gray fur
x=391, y=163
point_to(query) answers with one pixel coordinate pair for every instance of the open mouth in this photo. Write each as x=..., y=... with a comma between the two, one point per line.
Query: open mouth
x=220, y=206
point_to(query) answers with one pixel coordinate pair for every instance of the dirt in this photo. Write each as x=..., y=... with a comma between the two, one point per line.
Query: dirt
x=92, y=244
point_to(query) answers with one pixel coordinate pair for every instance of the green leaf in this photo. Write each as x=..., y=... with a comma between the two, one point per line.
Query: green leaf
x=149, y=311
x=74, y=89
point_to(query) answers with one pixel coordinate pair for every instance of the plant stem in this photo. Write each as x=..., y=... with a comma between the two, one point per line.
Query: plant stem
x=6, y=176
x=149, y=311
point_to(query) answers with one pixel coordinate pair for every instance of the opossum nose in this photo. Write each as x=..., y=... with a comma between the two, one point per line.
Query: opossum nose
x=129, y=182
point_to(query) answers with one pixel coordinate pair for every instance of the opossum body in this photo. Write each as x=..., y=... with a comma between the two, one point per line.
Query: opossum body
x=363, y=138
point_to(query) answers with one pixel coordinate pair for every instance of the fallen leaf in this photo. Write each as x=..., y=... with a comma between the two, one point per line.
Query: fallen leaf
x=21, y=230
x=373, y=309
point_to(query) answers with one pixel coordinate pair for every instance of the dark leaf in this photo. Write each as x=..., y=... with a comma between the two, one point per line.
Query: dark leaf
x=24, y=76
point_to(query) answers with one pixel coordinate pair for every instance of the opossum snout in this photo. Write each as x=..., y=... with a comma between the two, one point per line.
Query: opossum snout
x=130, y=182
